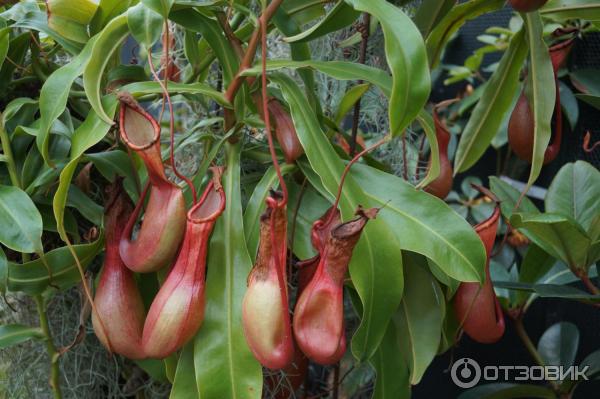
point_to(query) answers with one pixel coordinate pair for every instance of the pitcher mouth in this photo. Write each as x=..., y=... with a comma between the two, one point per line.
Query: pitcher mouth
x=140, y=140
x=212, y=203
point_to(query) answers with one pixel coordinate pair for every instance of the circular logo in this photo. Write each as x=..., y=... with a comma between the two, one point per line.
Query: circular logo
x=465, y=373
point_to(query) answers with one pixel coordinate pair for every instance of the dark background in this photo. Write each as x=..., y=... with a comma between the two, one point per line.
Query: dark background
x=544, y=312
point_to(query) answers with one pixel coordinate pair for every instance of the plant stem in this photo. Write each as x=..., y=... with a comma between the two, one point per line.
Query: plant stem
x=50, y=348
x=530, y=346
x=236, y=84
x=364, y=30
x=527, y=342
x=588, y=284
x=8, y=154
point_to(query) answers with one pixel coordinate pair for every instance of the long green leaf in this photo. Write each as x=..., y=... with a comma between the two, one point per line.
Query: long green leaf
x=563, y=10
x=106, y=44
x=33, y=279
x=212, y=32
x=225, y=367
x=184, y=386
x=14, y=334
x=436, y=42
x=420, y=317
x=340, y=16
x=21, y=221
x=55, y=93
x=541, y=99
x=340, y=70
x=4, y=44
x=376, y=263
x=3, y=272
x=433, y=171
x=89, y=133
x=407, y=59
x=393, y=379
x=107, y=10
x=139, y=89
x=430, y=12
x=347, y=102
x=489, y=112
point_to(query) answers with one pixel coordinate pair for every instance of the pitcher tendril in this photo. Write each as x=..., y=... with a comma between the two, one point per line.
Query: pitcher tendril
x=267, y=116
x=384, y=140
x=171, y=127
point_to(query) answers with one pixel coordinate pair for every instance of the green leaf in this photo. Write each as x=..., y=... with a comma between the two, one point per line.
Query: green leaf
x=351, y=97
x=558, y=345
x=3, y=272
x=574, y=192
x=407, y=60
x=433, y=171
x=312, y=207
x=425, y=224
x=38, y=20
x=256, y=206
x=563, y=10
x=115, y=163
x=508, y=196
x=162, y=7
x=541, y=100
x=558, y=235
x=21, y=221
x=565, y=292
x=54, y=96
x=89, y=133
x=106, y=44
x=430, y=12
x=14, y=334
x=108, y=10
x=85, y=205
x=376, y=263
x=33, y=279
x=16, y=53
x=504, y=390
x=339, y=17
x=420, y=316
x=184, y=386
x=393, y=379
x=535, y=265
x=593, y=100
x=145, y=24
x=569, y=104
x=449, y=25
x=212, y=32
x=495, y=101
x=340, y=70
x=225, y=367
x=289, y=26
x=139, y=89
x=4, y=44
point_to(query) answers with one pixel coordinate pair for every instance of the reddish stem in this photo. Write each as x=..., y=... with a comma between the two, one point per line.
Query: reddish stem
x=347, y=170
x=586, y=143
x=266, y=112
x=171, y=127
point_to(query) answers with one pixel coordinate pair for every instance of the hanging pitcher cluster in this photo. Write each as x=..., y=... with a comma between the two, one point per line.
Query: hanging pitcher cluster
x=317, y=331
x=168, y=238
